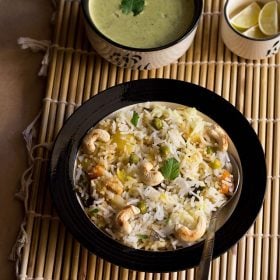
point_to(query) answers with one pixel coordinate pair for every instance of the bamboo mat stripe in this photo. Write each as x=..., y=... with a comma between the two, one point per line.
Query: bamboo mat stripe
x=76, y=73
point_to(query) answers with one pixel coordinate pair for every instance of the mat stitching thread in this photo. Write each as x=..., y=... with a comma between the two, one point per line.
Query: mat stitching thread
x=67, y=103
x=232, y=63
x=26, y=180
x=29, y=135
x=26, y=277
x=251, y=120
x=214, y=13
x=42, y=216
x=262, y=235
x=35, y=46
x=277, y=177
x=71, y=49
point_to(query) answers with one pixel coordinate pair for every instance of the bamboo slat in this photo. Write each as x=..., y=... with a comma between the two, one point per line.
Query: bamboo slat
x=76, y=73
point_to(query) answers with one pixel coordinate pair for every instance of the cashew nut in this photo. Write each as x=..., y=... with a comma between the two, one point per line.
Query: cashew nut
x=92, y=136
x=218, y=134
x=150, y=177
x=114, y=185
x=187, y=235
x=123, y=217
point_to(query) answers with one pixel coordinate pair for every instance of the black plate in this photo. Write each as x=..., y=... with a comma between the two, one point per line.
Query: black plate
x=98, y=107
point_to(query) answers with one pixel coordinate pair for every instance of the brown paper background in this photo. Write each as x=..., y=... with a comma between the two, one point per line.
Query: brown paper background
x=21, y=92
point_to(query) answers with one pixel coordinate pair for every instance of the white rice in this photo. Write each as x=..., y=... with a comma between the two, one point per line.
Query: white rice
x=194, y=192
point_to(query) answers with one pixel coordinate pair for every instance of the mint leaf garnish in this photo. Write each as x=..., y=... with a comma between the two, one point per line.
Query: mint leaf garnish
x=135, y=119
x=170, y=169
x=134, y=6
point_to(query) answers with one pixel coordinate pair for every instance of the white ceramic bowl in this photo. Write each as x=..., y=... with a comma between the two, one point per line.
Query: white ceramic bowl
x=140, y=58
x=241, y=45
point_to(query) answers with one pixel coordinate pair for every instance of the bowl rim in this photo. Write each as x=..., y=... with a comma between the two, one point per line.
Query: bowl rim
x=62, y=193
x=225, y=14
x=195, y=21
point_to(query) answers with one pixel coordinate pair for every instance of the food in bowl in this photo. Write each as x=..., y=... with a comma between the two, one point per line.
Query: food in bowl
x=142, y=24
x=150, y=175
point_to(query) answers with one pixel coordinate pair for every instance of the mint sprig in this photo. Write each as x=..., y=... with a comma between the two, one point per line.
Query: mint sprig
x=170, y=169
x=134, y=6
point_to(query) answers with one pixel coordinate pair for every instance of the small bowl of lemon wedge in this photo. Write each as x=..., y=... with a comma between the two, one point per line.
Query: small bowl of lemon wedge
x=251, y=29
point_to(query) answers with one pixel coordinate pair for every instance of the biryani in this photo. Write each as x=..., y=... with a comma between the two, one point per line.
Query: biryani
x=150, y=175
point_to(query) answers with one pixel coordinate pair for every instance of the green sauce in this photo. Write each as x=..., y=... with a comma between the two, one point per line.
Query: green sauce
x=161, y=22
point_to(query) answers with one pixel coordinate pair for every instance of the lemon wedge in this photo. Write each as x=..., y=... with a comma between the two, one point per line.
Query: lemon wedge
x=268, y=18
x=254, y=32
x=246, y=18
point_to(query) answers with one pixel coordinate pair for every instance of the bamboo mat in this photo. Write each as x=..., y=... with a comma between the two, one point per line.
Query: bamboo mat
x=76, y=73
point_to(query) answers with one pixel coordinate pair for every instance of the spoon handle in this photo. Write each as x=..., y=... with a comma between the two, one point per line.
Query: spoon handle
x=204, y=265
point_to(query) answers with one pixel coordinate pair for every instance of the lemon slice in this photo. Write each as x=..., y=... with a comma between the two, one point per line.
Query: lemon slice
x=268, y=18
x=254, y=32
x=247, y=17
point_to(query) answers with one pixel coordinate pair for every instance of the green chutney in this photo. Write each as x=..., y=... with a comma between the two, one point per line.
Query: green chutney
x=161, y=22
